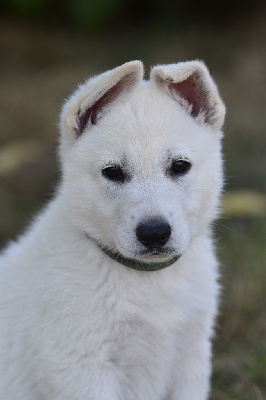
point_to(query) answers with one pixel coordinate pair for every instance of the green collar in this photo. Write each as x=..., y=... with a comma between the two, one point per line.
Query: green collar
x=139, y=265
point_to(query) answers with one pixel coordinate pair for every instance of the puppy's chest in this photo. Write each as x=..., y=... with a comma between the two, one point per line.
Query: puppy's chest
x=131, y=330
x=137, y=337
x=134, y=324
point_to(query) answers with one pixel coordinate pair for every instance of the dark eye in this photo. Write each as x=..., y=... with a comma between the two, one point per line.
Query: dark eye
x=180, y=167
x=114, y=174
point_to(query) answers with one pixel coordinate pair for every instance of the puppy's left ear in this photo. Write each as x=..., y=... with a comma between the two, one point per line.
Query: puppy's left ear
x=95, y=97
x=190, y=84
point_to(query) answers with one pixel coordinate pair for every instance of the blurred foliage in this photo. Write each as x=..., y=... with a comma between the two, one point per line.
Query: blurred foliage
x=27, y=8
x=93, y=14
x=98, y=14
x=89, y=14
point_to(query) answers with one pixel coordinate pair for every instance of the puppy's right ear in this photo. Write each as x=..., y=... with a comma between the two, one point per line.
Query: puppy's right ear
x=92, y=99
x=190, y=84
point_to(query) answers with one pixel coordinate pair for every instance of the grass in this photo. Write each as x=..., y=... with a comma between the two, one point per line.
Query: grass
x=240, y=346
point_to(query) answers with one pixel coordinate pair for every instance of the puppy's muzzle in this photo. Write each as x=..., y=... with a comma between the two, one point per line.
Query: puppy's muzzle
x=154, y=233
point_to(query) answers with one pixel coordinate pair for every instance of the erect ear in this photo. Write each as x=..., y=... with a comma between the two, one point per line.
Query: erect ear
x=86, y=106
x=190, y=84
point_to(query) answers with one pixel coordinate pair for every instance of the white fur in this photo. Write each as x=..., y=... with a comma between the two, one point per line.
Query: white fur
x=75, y=324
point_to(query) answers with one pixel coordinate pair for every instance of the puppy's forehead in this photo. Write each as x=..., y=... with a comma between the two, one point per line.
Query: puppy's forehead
x=143, y=111
x=150, y=123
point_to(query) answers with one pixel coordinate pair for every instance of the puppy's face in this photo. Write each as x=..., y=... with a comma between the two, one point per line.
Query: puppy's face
x=145, y=179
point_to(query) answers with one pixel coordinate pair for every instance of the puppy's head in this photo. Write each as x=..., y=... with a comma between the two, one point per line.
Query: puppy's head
x=141, y=160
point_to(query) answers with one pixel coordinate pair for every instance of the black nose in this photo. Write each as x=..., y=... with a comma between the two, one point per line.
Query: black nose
x=153, y=233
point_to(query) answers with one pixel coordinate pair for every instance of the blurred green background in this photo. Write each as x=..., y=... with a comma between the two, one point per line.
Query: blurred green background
x=47, y=48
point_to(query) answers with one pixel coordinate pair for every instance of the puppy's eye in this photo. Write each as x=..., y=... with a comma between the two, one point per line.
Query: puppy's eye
x=180, y=167
x=114, y=173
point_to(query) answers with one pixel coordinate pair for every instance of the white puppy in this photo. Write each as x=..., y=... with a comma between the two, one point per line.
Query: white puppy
x=112, y=292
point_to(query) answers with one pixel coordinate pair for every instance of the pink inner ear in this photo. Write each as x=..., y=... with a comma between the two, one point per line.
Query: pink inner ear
x=193, y=92
x=109, y=96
